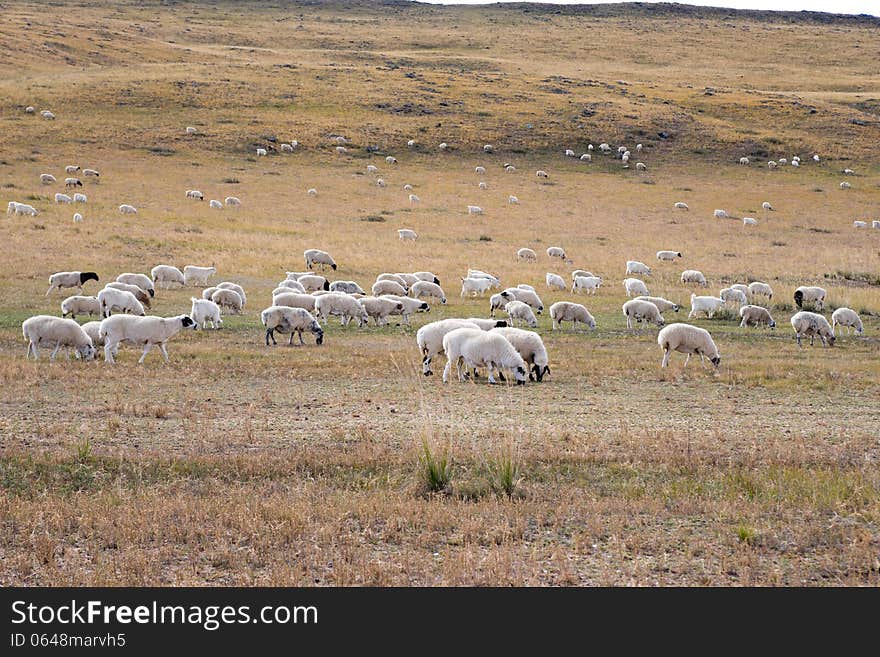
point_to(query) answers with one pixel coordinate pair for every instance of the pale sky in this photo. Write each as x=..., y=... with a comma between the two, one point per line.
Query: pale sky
x=871, y=7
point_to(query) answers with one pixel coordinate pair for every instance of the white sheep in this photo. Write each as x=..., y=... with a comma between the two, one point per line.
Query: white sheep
x=190, y=130
x=232, y=200
x=806, y=323
x=235, y=287
x=527, y=254
x=530, y=347
x=91, y=173
x=430, y=338
x=391, y=159
x=403, y=281
x=474, y=209
x=480, y=170
x=520, y=311
x=292, y=285
x=750, y=221
x=320, y=258
x=204, y=311
x=72, y=182
x=555, y=282
x=475, y=286
x=167, y=276
x=811, y=295
x=477, y=273
x=77, y=217
x=443, y=146
x=312, y=191
x=63, y=279
x=208, y=291
x=147, y=331
x=344, y=306
x=405, y=234
x=93, y=329
x=498, y=301
x=681, y=206
x=80, y=198
x=694, y=276
x=422, y=289
x=47, y=179
x=407, y=188
x=411, y=143
x=528, y=296
x=125, y=208
x=759, y=289
x=111, y=299
x=63, y=198
x=634, y=287
x=379, y=308
x=556, y=252
x=482, y=349
x=345, y=287
x=215, y=204
x=407, y=306
x=586, y=157
x=228, y=300
x=80, y=305
x=569, y=153
x=845, y=185
x=414, y=199
x=767, y=206
x=141, y=280
x=194, y=275
x=662, y=304
x=261, y=152
x=380, y=182
x=46, y=114
x=846, y=317
x=139, y=293
x=566, y=311
x=642, y=311
x=21, y=208
x=387, y=286
x=313, y=282
x=286, y=148
x=282, y=319
x=860, y=224
x=756, y=315
x=743, y=160
x=581, y=272
x=668, y=256
x=641, y=166
x=733, y=296
x=512, y=200
x=636, y=267
x=29, y=109
x=295, y=300
x=687, y=339
x=742, y=288
x=848, y=172
x=708, y=305
x=721, y=214
x=772, y=164
x=875, y=223
x=49, y=331
x=429, y=276
x=542, y=174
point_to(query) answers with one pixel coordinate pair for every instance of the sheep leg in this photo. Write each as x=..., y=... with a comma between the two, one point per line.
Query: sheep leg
x=49, y=291
x=55, y=351
x=446, y=371
x=164, y=351
x=812, y=337
x=426, y=365
x=490, y=367
x=269, y=333
x=686, y=360
x=109, y=352
x=147, y=348
x=799, y=341
x=301, y=341
x=32, y=346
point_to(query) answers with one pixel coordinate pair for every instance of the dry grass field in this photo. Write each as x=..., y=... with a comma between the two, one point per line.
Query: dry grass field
x=242, y=464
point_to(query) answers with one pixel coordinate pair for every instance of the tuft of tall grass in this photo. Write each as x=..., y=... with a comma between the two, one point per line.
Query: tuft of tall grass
x=435, y=468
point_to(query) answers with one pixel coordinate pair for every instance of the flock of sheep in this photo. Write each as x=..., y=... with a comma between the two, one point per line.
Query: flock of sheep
x=305, y=300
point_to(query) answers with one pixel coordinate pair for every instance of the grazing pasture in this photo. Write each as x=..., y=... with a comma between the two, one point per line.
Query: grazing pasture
x=246, y=464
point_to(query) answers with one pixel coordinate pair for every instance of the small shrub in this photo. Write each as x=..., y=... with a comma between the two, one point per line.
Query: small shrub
x=485, y=238
x=374, y=218
x=746, y=535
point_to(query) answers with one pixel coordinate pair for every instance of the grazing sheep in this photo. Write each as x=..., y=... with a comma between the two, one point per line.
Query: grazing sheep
x=557, y=252
x=29, y=109
x=742, y=288
x=443, y=146
x=512, y=200
x=488, y=148
x=63, y=198
x=875, y=223
x=388, y=287
x=474, y=209
x=372, y=168
x=586, y=157
x=111, y=299
x=75, y=279
x=93, y=330
x=391, y=159
x=581, y=272
x=47, y=179
x=72, y=182
x=743, y=160
x=402, y=281
x=194, y=275
x=542, y=174
x=80, y=305
x=380, y=182
x=91, y=173
x=806, y=323
x=766, y=206
x=423, y=289
x=147, y=331
x=750, y=221
x=527, y=296
x=721, y=214
x=681, y=206
x=566, y=311
x=235, y=287
x=411, y=143
x=772, y=164
x=642, y=311
x=22, y=208
x=190, y=130
x=344, y=306
x=430, y=338
x=526, y=254
x=282, y=319
x=555, y=282
x=756, y=315
x=46, y=114
x=379, y=308
x=498, y=301
x=414, y=199
x=636, y=267
x=139, y=293
x=286, y=148
x=662, y=304
x=407, y=306
x=475, y=286
x=80, y=198
x=759, y=289
x=208, y=291
x=320, y=258
x=694, y=276
x=262, y=151
x=141, y=280
x=845, y=185
x=668, y=256
x=46, y=331
x=313, y=282
x=634, y=287
x=731, y=295
x=407, y=188
x=846, y=317
x=215, y=204
x=708, y=305
x=860, y=224
x=125, y=208
x=312, y=191
x=811, y=295
x=526, y=286
x=345, y=287
x=569, y=153
x=476, y=273
x=228, y=300
x=848, y=172
x=295, y=300
x=166, y=276
x=641, y=166
x=687, y=339
x=204, y=311
x=232, y=200
x=530, y=347
x=406, y=234
x=77, y=217
x=292, y=285
x=481, y=349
